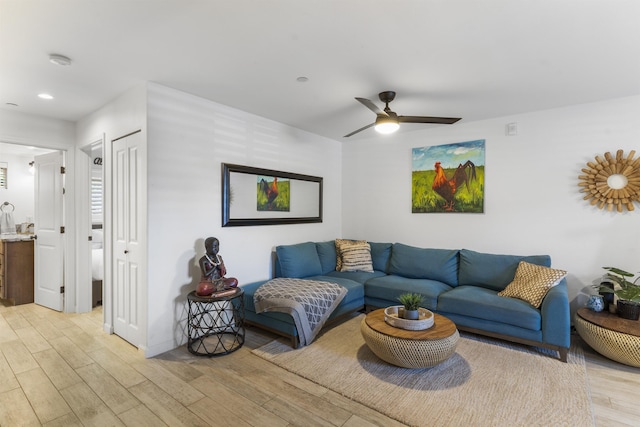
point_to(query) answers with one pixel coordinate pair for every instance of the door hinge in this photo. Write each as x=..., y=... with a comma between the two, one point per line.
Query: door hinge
x=63, y=169
x=62, y=229
x=62, y=289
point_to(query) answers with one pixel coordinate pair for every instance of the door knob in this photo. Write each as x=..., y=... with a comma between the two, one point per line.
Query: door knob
x=126, y=251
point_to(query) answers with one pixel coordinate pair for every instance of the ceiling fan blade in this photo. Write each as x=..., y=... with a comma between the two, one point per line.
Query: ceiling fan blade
x=370, y=105
x=359, y=130
x=422, y=119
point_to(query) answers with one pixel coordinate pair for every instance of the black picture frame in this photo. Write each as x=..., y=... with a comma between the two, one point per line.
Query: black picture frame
x=239, y=187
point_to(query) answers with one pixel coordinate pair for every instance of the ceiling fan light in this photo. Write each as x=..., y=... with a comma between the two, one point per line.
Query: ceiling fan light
x=386, y=125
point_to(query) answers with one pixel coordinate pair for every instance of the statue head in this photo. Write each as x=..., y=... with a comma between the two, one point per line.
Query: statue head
x=211, y=245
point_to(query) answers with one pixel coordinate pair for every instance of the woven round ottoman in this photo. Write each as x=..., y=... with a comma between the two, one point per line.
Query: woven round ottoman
x=410, y=349
x=613, y=337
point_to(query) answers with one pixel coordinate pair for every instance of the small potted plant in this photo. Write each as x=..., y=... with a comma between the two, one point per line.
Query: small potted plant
x=411, y=303
x=628, y=293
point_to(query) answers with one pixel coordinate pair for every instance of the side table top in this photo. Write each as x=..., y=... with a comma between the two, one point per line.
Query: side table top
x=442, y=327
x=611, y=321
x=194, y=297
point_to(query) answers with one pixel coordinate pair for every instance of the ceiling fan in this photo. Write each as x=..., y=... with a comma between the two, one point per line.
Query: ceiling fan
x=388, y=122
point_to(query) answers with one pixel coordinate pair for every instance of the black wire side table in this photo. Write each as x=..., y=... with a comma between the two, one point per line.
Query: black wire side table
x=216, y=324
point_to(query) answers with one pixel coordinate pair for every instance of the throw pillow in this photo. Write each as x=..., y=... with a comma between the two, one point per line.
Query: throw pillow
x=356, y=256
x=532, y=282
x=339, y=244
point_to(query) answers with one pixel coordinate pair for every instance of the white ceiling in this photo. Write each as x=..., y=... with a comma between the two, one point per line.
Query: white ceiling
x=474, y=59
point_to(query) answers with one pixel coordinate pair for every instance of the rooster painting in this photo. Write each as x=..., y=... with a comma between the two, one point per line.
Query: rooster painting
x=438, y=186
x=273, y=194
x=447, y=188
x=269, y=190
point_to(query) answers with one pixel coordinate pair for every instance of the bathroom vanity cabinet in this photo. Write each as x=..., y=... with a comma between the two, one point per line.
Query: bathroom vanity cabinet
x=16, y=271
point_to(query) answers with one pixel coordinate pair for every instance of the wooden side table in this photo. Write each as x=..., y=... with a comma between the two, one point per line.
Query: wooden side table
x=610, y=335
x=216, y=324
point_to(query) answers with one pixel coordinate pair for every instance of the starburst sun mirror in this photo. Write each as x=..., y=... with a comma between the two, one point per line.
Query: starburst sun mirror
x=613, y=182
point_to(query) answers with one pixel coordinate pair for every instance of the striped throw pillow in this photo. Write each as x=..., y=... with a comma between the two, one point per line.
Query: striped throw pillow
x=339, y=244
x=356, y=256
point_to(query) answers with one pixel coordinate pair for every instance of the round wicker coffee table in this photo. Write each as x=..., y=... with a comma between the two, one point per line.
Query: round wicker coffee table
x=610, y=335
x=410, y=349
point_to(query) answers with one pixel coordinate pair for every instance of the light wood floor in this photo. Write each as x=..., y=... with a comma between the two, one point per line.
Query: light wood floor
x=61, y=370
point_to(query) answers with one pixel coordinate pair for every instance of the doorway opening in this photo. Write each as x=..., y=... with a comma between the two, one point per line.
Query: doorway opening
x=20, y=194
x=97, y=222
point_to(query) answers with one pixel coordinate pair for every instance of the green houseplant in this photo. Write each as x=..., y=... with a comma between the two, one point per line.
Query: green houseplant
x=627, y=291
x=411, y=303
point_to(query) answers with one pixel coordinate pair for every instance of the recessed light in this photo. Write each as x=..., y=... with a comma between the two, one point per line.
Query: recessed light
x=54, y=58
x=302, y=79
x=45, y=96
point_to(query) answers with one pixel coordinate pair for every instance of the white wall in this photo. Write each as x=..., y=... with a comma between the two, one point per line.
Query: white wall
x=532, y=199
x=26, y=129
x=188, y=140
x=121, y=116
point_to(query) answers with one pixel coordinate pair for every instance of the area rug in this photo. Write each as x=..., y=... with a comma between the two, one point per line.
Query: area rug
x=485, y=383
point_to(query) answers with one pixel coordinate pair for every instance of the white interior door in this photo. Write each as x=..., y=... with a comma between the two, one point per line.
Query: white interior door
x=49, y=250
x=128, y=241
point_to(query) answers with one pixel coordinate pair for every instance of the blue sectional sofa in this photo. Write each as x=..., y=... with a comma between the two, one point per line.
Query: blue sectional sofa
x=462, y=285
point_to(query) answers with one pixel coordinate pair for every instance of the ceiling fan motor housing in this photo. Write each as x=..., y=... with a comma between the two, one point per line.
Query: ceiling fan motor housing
x=387, y=96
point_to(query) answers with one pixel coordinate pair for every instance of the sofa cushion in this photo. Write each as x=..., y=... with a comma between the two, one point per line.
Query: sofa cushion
x=482, y=303
x=327, y=254
x=493, y=271
x=419, y=263
x=356, y=276
x=389, y=288
x=299, y=261
x=380, y=255
x=356, y=256
x=532, y=282
x=250, y=289
x=355, y=290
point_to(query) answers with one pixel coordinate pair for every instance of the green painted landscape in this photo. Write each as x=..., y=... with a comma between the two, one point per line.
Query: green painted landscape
x=425, y=200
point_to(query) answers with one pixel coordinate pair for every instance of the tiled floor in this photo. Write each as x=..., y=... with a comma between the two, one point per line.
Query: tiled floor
x=62, y=370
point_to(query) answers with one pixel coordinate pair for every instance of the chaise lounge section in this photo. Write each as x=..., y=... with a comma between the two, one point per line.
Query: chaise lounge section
x=462, y=285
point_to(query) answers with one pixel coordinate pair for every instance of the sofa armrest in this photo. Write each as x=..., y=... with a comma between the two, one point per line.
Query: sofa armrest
x=556, y=318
